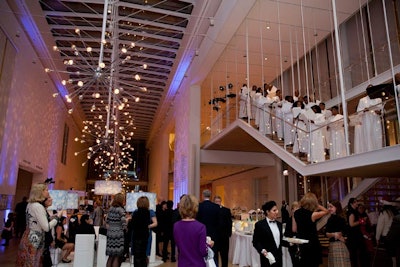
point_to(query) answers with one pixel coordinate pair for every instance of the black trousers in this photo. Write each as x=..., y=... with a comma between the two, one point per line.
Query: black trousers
x=139, y=252
x=223, y=250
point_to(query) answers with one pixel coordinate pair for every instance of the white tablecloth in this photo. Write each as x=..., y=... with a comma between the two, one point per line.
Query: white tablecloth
x=242, y=252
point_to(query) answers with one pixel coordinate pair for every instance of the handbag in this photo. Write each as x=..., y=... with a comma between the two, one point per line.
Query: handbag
x=209, y=259
x=36, y=238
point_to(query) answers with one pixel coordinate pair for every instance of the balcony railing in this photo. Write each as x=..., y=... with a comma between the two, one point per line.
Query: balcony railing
x=305, y=133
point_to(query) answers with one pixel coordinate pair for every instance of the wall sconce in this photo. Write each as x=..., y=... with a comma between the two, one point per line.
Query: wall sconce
x=285, y=173
x=212, y=22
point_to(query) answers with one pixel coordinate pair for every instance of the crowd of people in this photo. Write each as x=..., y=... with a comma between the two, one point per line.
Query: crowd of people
x=353, y=238
x=306, y=125
x=196, y=232
x=191, y=224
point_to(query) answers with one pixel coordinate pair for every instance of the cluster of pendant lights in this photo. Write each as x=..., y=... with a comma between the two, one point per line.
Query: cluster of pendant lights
x=109, y=133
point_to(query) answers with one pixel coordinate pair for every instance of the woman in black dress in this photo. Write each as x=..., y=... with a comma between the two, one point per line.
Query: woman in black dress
x=139, y=225
x=304, y=225
x=355, y=240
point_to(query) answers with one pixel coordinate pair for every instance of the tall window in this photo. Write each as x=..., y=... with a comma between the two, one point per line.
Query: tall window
x=64, y=145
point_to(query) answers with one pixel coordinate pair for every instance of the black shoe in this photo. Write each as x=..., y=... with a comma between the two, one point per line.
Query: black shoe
x=173, y=259
x=66, y=260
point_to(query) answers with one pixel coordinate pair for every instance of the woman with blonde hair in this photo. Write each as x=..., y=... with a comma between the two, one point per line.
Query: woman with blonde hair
x=304, y=225
x=116, y=222
x=190, y=234
x=31, y=246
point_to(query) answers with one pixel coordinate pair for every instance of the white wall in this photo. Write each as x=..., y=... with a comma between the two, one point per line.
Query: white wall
x=34, y=121
x=158, y=166
x=241, y=190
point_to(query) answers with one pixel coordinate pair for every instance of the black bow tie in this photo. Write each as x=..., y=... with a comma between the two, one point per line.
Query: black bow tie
x=272, y=221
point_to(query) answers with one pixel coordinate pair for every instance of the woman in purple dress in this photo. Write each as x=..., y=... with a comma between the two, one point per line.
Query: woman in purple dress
x=190, y=235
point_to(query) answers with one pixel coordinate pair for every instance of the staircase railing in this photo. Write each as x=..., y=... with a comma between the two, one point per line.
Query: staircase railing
x=301, y=129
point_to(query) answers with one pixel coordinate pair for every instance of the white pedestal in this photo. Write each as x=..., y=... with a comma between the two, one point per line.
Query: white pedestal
x=55, y=255
x=101, y=251
x=153, y=259
x=96, y=231
x=84, y=250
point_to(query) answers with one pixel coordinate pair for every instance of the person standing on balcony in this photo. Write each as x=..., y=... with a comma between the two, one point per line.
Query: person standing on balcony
x=244, y=102
x=264, y=103
x=371, y=110
x=337, y=144
x=317, y=149
x=253, y=107
x=277, y=107
x=258, y=109
x=300, y=130
x=288, y=120
x=325, y=133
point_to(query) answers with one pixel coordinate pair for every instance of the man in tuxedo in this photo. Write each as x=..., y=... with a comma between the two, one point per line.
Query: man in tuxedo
x=267, y=236
x=208, y=215
x=224, y=231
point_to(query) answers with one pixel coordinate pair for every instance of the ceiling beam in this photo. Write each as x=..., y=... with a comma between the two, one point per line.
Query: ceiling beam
x=123, y=31
x=155, y=10
x=128, y=43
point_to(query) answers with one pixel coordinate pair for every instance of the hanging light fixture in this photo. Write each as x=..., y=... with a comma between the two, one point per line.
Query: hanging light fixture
x=109, y=131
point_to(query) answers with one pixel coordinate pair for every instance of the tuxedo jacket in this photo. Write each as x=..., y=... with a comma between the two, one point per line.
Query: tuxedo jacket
x=225, y=223
x=264, y=239
x=208, y=215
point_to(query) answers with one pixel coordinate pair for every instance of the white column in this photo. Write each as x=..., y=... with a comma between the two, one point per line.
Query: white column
x=187, y=144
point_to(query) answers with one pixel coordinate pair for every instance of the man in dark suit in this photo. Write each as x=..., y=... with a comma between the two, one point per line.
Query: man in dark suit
x=267, y=236
x=224, y=231
x=208, y=215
